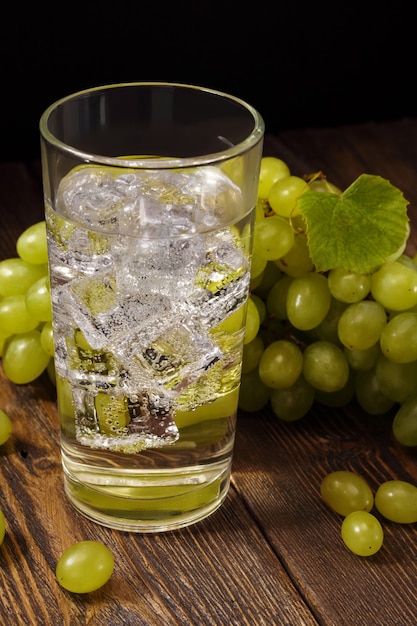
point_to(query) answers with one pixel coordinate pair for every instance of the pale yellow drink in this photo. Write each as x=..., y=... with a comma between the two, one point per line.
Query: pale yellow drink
x=148, y=350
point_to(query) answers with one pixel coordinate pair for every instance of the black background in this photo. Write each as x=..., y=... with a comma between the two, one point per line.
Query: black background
x=301, y=65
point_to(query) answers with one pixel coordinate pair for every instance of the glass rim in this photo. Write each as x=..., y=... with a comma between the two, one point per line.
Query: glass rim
x=231, y=151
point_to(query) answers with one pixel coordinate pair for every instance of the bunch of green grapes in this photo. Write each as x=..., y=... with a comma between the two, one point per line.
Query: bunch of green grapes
x=26, y=340
x=325, y=337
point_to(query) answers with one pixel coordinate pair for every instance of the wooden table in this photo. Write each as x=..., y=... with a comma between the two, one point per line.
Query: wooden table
x=272, y=555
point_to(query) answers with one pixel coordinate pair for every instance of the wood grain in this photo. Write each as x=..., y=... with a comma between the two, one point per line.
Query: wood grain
x=272, y=555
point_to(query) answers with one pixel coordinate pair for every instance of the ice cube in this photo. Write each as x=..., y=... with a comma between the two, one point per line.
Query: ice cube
x=161, y=209
x=90, y=197
x=106, y=317
x=181, y=352
x=214, y=308
x=159, y=266
x=149, y=203
x=222, y=282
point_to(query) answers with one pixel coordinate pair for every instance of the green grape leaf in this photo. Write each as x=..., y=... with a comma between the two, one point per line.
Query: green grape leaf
x=357, y=230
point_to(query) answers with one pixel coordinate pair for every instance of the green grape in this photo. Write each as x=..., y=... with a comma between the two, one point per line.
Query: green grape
x=369, y=393
x=273, y=237
x=308, y=301
x=345, y=492
x=5, y=427
x=15, y=317
x=38, y=300
x=16, y=276
x=3, y=341
x=252, y=353
x=276, y=302
x=260, y=305
x=281, y=364
x=400, y=250
x=85, y=567
x=399, y=338
x=31, y=245
x=47, y=338
x=292, y=403
x=24, y=358
x=253, y=322
x=297, y=261
x=2, y=526
x=284, y=194
x=269, y=277
x=328, y=328
x=258, y=266
x=404, y=425
x=363, y=359
x=325, y=366
x=394, y=285
x=396, y=500
x=324, y=186
x=362, y=533
x=396, y=380
x=339, y=398
x=348, y=286
x=361, y=324
x=253, y=394
x=271, y=170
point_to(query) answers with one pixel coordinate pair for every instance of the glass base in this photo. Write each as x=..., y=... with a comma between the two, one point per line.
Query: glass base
x=149, y=502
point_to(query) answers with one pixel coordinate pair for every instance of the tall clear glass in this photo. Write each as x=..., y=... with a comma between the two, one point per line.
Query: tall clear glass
x=150, y=193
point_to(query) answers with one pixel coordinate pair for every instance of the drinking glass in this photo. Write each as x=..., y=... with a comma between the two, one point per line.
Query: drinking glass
x=150, y=192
